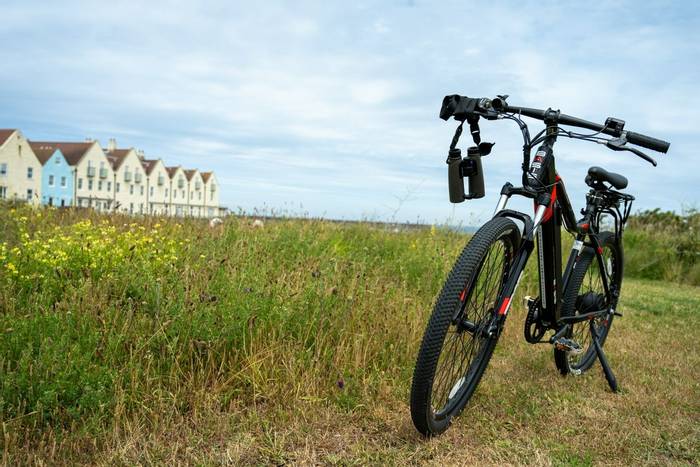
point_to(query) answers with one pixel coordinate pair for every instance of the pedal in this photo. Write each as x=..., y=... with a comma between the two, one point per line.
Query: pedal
x=567, y=345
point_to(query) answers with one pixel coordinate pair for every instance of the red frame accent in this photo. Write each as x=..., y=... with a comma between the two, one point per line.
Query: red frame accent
x=548, y=213
x=504, y=306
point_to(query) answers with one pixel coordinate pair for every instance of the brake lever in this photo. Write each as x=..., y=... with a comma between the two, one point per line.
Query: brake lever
x=619, y=144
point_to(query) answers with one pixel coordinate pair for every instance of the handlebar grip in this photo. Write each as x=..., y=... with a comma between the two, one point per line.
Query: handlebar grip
x=648, y=142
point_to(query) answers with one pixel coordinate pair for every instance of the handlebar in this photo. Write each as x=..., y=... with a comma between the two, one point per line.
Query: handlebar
x=462, y=108
x=648, y=142
x=632, y=137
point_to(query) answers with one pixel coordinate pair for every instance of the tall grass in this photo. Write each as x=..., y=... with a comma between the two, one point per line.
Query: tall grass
x=664, y=246
x=111, y=321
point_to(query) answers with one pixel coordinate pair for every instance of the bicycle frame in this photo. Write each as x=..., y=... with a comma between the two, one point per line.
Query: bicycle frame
x=552, y=210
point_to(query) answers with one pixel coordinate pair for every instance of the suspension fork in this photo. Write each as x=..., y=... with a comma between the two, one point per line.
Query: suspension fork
x=520, y=261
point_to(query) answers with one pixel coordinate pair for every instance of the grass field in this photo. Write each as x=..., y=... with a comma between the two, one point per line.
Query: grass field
x=148, y=341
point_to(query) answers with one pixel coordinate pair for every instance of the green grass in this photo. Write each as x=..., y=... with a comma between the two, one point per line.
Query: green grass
x=295, y=343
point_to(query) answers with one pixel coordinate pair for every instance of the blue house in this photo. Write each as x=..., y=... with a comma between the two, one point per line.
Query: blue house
x=57, y=187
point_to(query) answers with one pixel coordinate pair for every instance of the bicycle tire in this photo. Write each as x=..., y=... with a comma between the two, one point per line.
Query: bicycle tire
x=461, y=291
x=576, y=365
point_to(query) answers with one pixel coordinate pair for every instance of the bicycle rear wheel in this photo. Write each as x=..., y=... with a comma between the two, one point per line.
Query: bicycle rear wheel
x=459, y=339
x=585, y=293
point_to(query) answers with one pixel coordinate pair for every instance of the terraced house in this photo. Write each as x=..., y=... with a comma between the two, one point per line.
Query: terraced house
x=211, y=194
x=20, y=170
x=92, y=171
x=83, y=174
x=57, y=176
x=157, y=186
x=178, y=191
x=195, y=186
x=129, y=180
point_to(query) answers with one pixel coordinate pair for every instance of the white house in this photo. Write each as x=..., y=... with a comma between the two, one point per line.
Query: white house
x=129, y=180
x=157, y=186
x=178, y=191
x=211, y=194
x=195, y=193
x=20, y=170
x=93, y=173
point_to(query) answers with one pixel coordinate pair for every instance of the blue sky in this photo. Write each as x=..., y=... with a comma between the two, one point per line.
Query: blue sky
x=330, y=108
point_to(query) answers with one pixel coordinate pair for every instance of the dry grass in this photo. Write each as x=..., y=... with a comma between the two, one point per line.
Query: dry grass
x=236, y=359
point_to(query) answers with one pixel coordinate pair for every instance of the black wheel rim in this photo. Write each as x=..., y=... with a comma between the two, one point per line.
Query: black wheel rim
x=465, y=345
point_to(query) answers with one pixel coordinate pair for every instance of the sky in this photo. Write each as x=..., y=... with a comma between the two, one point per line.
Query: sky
x=330, y=109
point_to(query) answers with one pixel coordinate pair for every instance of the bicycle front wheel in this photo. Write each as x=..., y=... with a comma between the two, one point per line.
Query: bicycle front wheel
x=457, y=346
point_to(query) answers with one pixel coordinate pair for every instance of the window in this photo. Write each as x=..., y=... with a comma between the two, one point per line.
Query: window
x=3, y=192
x=63, y=182
x=3, y=169
x=174, y=194
x=211, y=197
x=166, y=192
x=99, y=185
x=141, y=190
x=30, y=172
x=116, y=187
x=141, y=208
x=63, y=202
x=30, y=194
x=89, y=184
x=80, y=183
x=199, y=195
x=50, y=180
x=131, y=189
x=131, y=208
x=151, y=191
x=109, y=186
x=57, y=161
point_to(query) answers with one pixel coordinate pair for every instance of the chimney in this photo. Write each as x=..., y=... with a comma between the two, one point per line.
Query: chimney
x=112, y=145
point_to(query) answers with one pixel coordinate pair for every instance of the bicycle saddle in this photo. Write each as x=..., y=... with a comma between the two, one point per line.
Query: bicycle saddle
x=602, y=175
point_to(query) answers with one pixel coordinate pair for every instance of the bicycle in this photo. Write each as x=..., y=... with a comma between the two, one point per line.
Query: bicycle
x=576, y=306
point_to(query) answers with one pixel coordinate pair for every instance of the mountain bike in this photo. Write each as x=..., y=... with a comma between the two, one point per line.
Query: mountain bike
x=576, y=307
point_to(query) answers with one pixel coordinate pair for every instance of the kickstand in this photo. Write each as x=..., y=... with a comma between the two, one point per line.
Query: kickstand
x=603, y=360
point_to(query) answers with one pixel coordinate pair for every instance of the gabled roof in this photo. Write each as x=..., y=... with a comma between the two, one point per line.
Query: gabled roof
x=5, y=135
x=149, y=165
x=117, y=157
x=172, y=170
x=43, y=153
x=190, y=173
x=206, y=176
x=73, y=152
